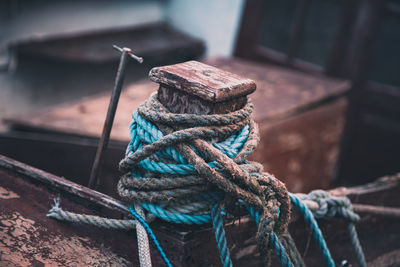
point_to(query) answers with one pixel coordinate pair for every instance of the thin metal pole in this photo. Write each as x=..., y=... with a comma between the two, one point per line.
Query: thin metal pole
x=105, y=136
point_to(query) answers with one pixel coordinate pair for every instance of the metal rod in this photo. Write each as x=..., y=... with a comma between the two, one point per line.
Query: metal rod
x=105, y=136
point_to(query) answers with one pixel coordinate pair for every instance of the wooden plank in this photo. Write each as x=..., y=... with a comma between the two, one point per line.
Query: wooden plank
x=202, y=80
x=86, y=117
x=281, y=93
x=152, y=41
x=303, y=150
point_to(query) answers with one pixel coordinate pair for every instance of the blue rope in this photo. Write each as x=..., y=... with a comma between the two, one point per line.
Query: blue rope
x=218, y=225
x=176, y=217
x=274, y=242
x=144, y=132
x=356, y=245
x=151, y=234
x=280, y=250
x=316, y=232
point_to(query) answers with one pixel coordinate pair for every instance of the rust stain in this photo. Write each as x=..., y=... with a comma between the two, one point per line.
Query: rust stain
x=7, y=194
x=22, y=244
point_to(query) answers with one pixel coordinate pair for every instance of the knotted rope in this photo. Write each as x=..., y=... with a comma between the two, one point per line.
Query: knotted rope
x=187, y=168
x=324, y=205
x=177, y=161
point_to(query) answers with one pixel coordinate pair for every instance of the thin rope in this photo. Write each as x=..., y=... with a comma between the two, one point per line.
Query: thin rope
x=316, y=232
x=143, y=240
x=219, y=231
x=325, y=206
x=151, y=234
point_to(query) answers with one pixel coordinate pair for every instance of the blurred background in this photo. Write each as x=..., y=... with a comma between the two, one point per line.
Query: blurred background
x=327, y=73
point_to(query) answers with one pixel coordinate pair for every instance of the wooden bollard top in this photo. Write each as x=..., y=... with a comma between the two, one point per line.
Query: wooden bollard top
x=194, y=87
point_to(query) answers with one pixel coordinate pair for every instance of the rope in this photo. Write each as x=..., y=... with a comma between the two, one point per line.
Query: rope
x=56, y=212
x=292, y=251
x=325, y=206
x=278, y=247
x=356, y=245
x=316, y=232
x=151, y=234
x=220, y=236
x=168, y=160
x=183, y=167
x=143, y=240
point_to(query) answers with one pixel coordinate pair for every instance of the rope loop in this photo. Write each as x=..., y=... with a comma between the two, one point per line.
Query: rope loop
x=179, y=166
x=328, y=206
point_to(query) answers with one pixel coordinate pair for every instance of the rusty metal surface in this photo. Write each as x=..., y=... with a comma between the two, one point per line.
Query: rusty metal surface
x=28, y=237
x=150, y=41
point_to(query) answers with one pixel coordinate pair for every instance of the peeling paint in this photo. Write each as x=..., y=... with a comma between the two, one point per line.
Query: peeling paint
x=21, y=244
x=7, y=194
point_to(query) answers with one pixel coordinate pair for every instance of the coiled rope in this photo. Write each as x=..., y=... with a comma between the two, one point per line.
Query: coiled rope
x=183, y=167
x=169, y=161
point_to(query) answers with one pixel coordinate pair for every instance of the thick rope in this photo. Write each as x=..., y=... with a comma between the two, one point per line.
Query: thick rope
x=316, y=232
x=157, y=150
x=180, y=167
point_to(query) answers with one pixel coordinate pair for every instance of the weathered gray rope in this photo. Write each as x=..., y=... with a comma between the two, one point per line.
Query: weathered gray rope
x=56, y=212
x=142, y=240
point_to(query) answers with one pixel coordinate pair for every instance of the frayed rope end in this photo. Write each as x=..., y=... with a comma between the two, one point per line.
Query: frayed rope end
x=55, y=209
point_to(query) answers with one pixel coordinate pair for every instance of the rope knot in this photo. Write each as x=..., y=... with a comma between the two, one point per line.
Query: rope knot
x=180, y=165
x=329, y=206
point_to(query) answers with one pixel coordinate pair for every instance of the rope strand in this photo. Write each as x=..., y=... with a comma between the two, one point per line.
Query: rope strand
x=183, y=167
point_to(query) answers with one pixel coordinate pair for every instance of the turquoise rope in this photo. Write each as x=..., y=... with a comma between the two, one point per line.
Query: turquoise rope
x=151, y=234
x=142, y=131
x=220, y=236
x=274, y=242
x=316, y=232
x=176, y=217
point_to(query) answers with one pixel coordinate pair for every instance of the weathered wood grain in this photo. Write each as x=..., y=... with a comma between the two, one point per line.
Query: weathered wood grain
x=202, y=80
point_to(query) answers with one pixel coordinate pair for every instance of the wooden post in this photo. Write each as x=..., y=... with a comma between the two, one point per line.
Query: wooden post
x=197, y=88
